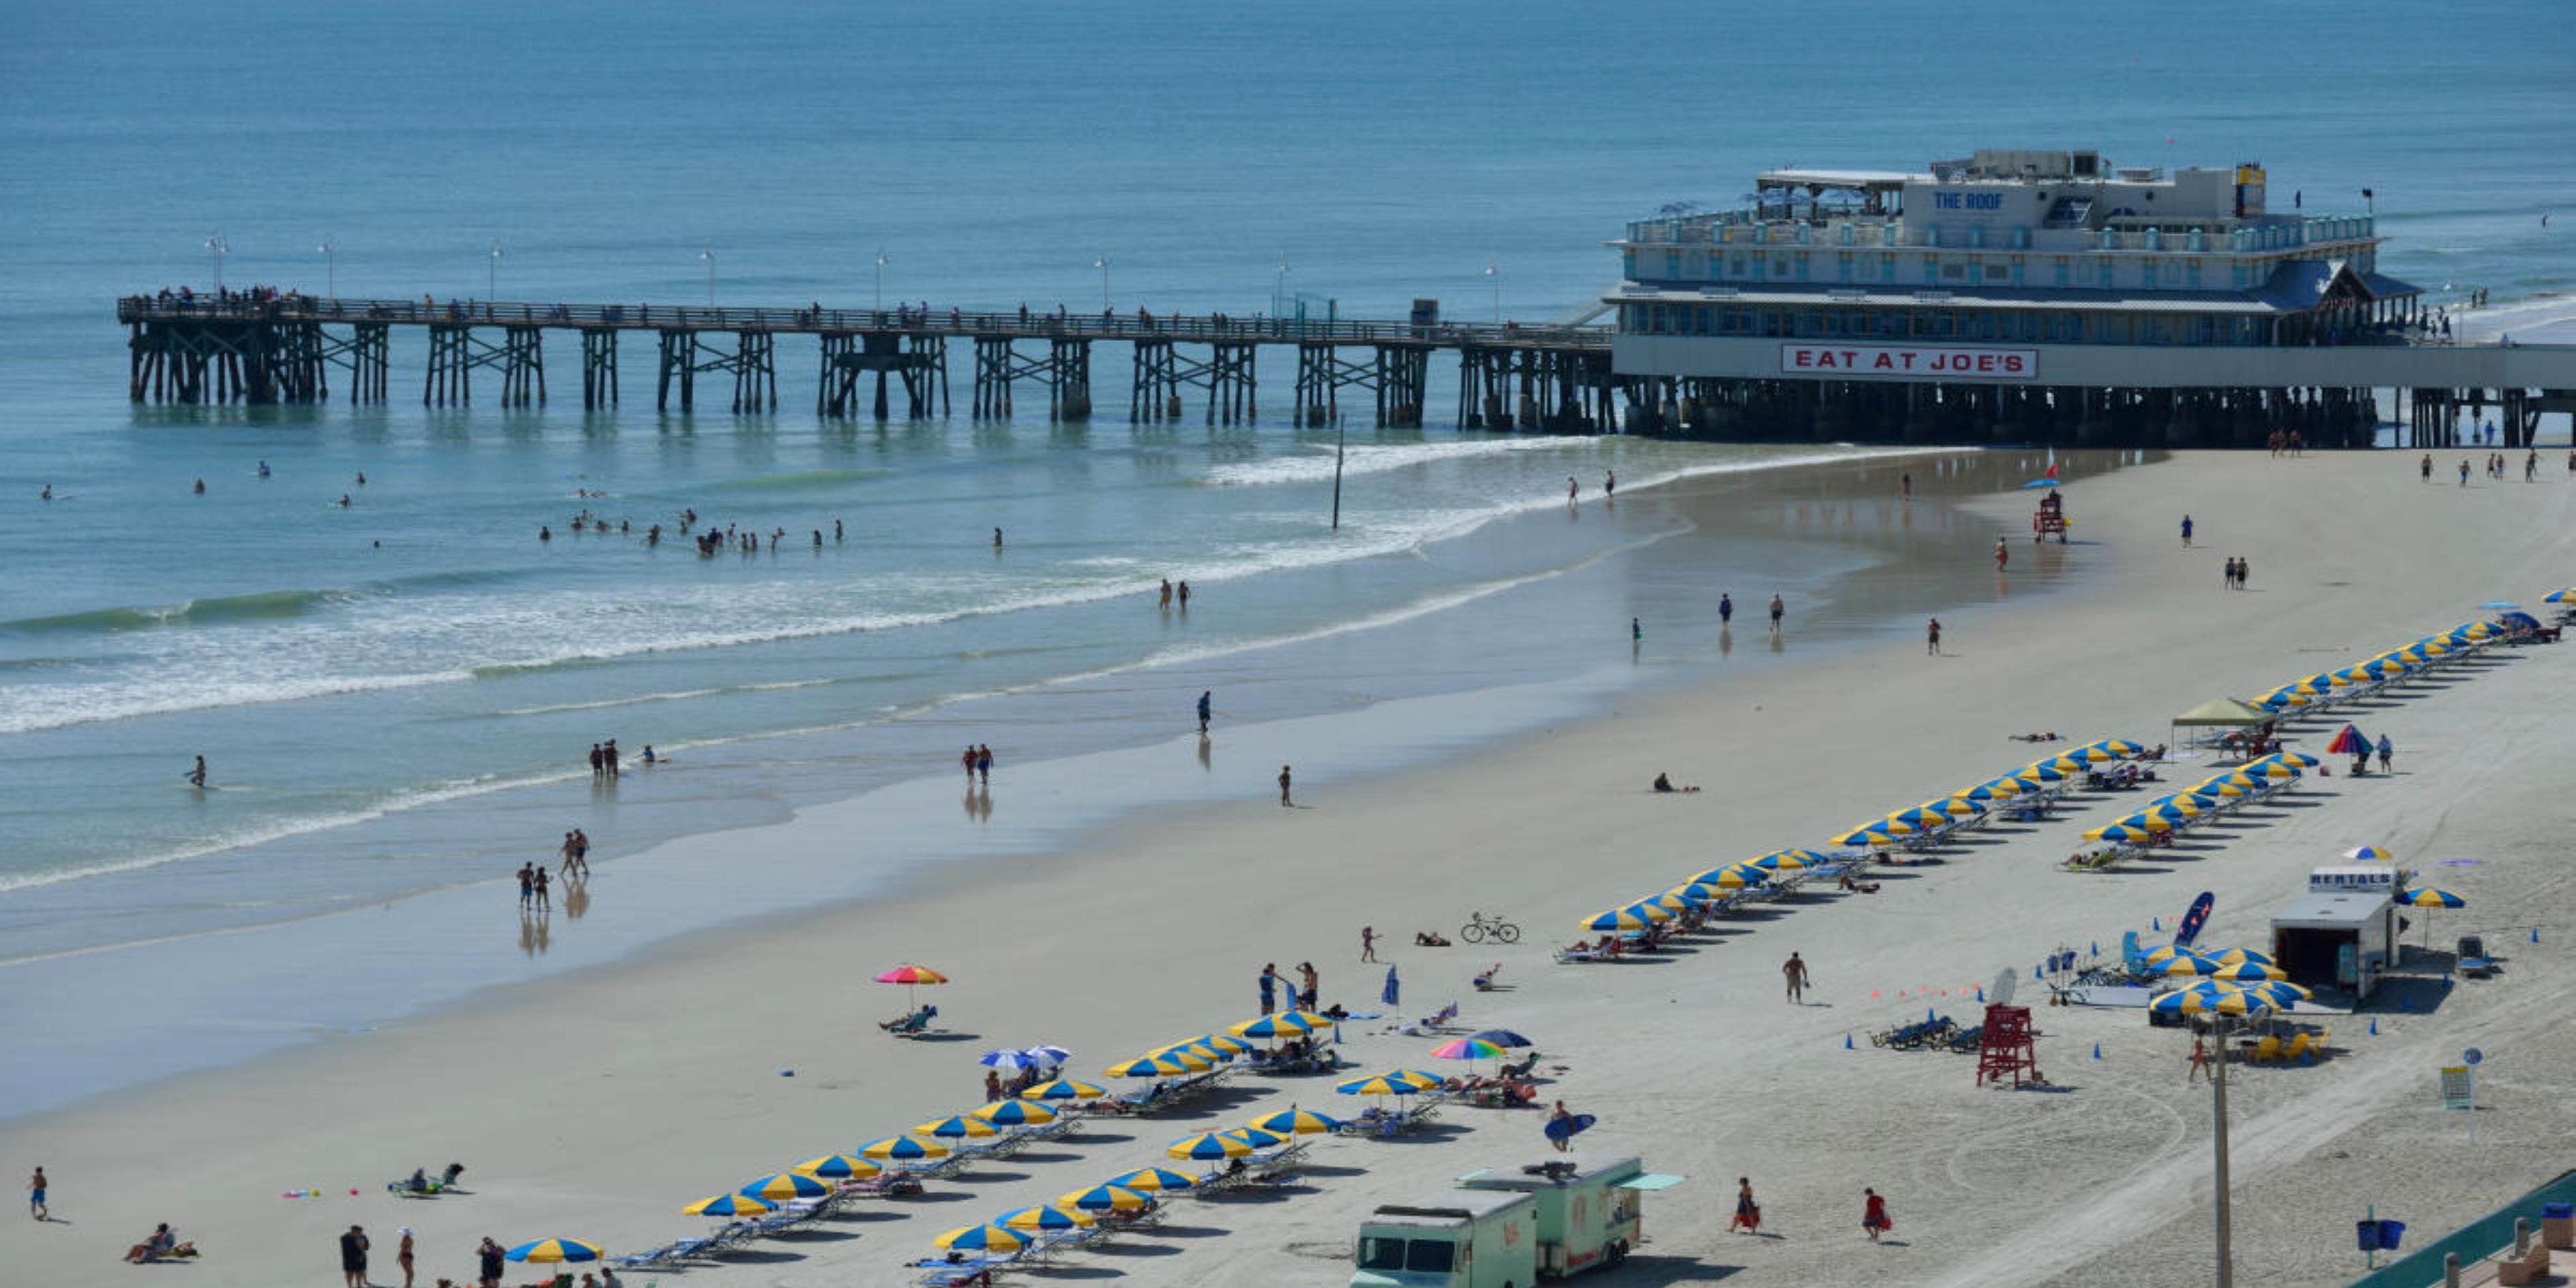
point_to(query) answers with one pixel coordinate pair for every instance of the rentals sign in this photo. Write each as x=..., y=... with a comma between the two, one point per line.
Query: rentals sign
x=1893, y=360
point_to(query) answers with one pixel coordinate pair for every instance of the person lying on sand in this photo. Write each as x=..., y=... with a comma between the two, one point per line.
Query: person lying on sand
x=1859, y=887
x=1664, y=783
x=1430, y=939
x=2035, y=737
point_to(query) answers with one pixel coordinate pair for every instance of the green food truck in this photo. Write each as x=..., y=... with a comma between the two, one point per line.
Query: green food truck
x=1509, y=1228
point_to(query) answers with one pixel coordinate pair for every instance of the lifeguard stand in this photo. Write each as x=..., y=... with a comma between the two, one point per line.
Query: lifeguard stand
x=2008, y=1046
x=2051, y=518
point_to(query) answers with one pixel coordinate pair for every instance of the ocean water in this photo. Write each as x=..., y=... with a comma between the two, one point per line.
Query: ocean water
x=396, y=696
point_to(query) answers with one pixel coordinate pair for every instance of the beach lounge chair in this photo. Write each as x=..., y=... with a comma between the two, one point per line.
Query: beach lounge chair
x=912, y=1025
x=2473, y=960
x=2300, y=1048
x=1485, y=979
x=2268, y=1050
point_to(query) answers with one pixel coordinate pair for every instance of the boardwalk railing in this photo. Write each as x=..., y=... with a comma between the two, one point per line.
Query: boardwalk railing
x=816, y=320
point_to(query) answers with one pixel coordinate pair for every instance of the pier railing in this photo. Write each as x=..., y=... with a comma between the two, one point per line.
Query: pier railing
x=819, y=320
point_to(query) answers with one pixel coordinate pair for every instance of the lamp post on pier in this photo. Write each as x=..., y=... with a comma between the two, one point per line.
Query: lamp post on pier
x=492, y=274
x=708, y=257
x=1494, y=270
x=881, y=263
x=330, y=249
x=1279, y=296
x=1102, y=264
x=219, y=247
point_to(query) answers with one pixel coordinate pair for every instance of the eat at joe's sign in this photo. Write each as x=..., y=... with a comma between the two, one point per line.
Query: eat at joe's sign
x=1893, y=360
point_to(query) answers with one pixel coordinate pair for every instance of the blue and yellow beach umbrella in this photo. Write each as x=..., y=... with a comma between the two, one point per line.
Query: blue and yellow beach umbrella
x=786, y=1185
x=1401, y=1082
x=839, y=1167
x=1013, y=1113
x=1285, y=1024
x=730, y=1205
x=903, y=1149
x=1208, y=1146
x=1107, y=1198
x=956, y=1128
x=2209, y=997
x=1064, y=1089
x=983, y=1238
x=1254, y=1136
x=1171, y=1065
x=1154, y=1180
x=1047, y=1218
x=1786, y=860
x=1998, y=789
x=1884, y=834
x=2428, y=897
x=1617, y=921
x=1298, y=1122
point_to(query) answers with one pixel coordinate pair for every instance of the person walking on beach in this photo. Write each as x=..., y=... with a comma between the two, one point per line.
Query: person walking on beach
x=610, y=752
x=2530, y=465
x=197, y=776
x=1311, y=990
x=527, y=884
x=1269, y=988
x=36, y=1187
x=598, y=760
x=2003, y=554
x=997, y=538
x=1794, y=971
x=1184, y=593
x=1748, y=1213
x=1572, y=489
x=984, y=763
x=2244, y=571
x=1725, y=611
x=1204, y=708
x=545, y=886
x=353, y=1257
x=2464, y=471
x=2427, y=467
x=1905, y=486
x=1368, y=943
x=969, y=759
x=992, y=1085
x=403, y=1253
x=2186, y=529
x=1167, y=593
x=1932, y=638
x=487, y=1261
x=1873, y=1214
x=2387, y=753
x=1283, y=786
x=1777, y=608
x=2199, y=1062
x=1636, y=630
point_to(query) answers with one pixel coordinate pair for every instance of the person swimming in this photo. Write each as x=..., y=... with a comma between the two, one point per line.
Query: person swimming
x=48, y=493
x=197, y=776
x=201, y=487
x=263, y=469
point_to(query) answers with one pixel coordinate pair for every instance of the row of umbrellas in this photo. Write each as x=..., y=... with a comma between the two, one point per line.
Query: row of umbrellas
x=1138, y=1190
x=2045, y=776
x=2328, y=687
x=2212, y=796
x=1703, y=889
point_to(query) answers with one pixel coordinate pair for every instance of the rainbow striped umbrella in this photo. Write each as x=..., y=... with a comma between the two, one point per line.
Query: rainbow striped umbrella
x=555, y=1250
x=983, y=1238
x=729, y=1205
x=1466, y=1049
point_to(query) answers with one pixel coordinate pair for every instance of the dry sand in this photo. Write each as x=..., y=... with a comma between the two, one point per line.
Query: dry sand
x=595, y=1105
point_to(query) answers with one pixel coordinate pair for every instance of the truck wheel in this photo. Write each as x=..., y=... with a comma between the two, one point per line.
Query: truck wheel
x=1618, y=1253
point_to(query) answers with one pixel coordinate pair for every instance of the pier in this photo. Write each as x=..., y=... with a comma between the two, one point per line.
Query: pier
x=884, y=363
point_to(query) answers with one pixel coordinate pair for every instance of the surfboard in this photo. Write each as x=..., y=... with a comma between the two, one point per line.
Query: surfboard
x=2193, y=920
x=1568, y=1128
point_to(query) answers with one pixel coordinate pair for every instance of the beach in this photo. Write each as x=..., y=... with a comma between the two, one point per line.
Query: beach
x=595, y=1103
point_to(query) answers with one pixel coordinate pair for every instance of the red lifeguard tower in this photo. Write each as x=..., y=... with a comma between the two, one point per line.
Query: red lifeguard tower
x=2050, y=518
x=2008, y=1046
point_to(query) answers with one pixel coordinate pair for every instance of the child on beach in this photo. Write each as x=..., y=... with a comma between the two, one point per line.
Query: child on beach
x=1368, y=943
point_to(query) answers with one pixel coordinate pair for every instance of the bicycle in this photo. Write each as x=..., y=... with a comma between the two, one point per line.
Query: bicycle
x=1479, y=925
